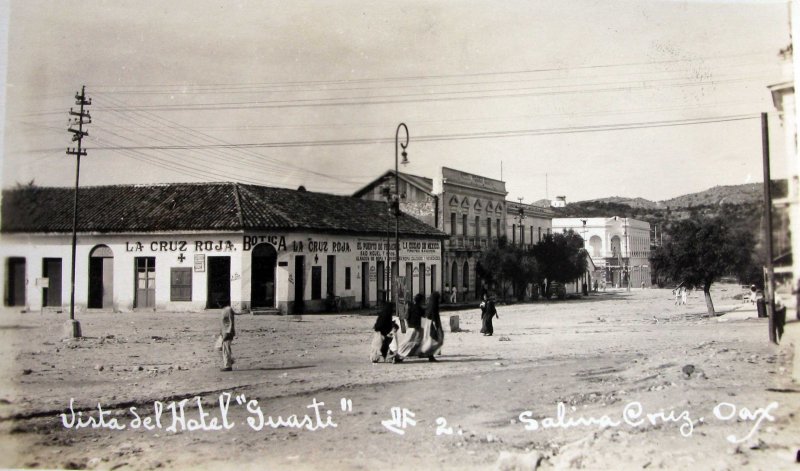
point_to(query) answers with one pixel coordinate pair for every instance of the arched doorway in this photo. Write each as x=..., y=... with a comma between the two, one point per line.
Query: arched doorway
x=101, y=278
x=262, y=287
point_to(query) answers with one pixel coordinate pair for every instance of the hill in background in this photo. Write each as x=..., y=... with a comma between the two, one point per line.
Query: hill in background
x=724, y=194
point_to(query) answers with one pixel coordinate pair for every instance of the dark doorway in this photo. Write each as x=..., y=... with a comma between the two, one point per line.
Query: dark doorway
x=51, y=269
x=422, y=281
x=101, y=278
x=262, y=285
x=380, y=282
x=364, y=284
x=15, y=287
x=299, y=283
x=316, y=282
x=219, y=282
x=145, y=283
x=410, y=281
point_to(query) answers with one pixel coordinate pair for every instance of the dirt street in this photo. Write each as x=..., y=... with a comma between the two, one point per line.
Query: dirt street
x=641, y=383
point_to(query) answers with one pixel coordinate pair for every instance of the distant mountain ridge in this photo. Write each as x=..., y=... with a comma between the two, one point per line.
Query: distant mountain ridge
x=731, y=194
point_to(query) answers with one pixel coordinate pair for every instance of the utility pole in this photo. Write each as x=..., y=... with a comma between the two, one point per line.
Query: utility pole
x=73, y=327
x=769, y=286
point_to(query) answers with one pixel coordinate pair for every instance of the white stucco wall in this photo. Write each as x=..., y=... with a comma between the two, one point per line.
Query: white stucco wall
x=180, y=250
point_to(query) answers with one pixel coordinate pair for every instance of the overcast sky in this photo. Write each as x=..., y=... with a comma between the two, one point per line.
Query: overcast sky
x=646, y=98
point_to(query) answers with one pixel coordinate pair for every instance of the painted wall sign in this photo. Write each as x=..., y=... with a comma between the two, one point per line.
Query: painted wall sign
x=199, y=262
x=181, y=246
x=248, y=242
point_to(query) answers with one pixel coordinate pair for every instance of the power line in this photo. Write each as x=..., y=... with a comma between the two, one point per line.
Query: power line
x=461, y=136
x=266, y=88
x=409, y=98
x=472, y=74
x=273, y=165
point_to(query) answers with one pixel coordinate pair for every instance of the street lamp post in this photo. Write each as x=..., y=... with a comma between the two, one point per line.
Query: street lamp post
x=396, y=202
x=386, y=192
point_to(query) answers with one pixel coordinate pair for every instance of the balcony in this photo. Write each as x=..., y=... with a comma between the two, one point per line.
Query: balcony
x=469, y=242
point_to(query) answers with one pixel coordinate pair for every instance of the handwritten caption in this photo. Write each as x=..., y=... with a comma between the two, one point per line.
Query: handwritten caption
x=190, y=415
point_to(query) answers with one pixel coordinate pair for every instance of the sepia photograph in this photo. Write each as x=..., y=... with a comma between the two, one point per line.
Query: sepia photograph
x=366, y=235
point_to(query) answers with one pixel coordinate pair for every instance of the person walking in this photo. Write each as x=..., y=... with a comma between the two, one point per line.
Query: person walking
x=684, y=295
x=385, y=332
x=488, y=311
x=413, y=338
x=432, y=331
x=227, y=333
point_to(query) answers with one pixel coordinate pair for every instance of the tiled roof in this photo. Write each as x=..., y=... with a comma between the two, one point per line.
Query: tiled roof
x=196, y=207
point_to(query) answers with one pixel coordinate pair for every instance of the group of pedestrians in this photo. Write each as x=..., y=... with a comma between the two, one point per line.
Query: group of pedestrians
x=423, y=336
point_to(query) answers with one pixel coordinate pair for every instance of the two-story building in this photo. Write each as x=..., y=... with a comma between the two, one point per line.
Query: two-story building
x=619, y=248
x=472, y=210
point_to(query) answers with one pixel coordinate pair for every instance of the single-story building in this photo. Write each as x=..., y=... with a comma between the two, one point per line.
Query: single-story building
x=190, y=246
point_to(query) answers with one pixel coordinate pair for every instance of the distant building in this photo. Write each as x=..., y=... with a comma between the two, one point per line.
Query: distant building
x=527, y=224
x=559, y=202
x=619, y=247
x=184, y=247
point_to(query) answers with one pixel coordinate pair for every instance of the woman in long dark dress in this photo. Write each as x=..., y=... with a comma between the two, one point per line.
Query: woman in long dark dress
x=409, y=346
x=488, y=311
x=385, y=330
x=433, y=333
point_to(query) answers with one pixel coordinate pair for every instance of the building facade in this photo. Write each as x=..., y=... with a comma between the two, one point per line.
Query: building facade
x=526, y=224
x=783, y=96
x=619, y=248
x=471, y=209
x=186, y=247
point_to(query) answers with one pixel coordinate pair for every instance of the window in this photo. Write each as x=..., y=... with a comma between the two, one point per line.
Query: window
x=331, y=280
x=521, y=234
x=465, y=274
x=497, y=228
x=540, y=234
x=180, y=284
x=347, y=278
x=464, y=225
x=477, y=226
x=488, y=228
x=452, y=224
x=531, y=234
x=513, y=233
x=316, y=282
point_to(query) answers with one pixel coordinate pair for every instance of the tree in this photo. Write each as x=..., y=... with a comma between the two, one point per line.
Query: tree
x=699, y=251
x=561, y=257
x=508, y=266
